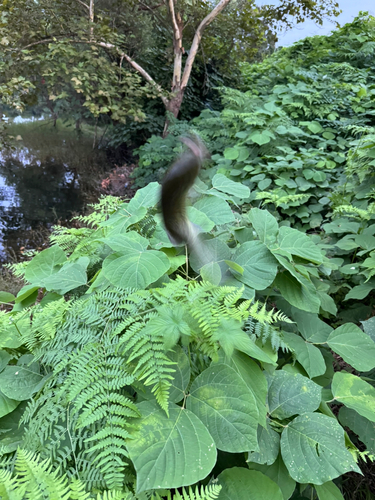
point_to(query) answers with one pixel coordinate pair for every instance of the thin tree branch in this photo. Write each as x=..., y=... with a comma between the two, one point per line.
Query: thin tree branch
x=48, y=40
x=84, y=4
x=197, y=38
x=176, y=30
x=149, y=7
x=177, y=45
x=137, y=67
x=91, y=15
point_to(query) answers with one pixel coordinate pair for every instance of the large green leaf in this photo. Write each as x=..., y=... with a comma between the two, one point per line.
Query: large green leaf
x=11, y=333
x=230, y=336
x=291, y=394
x=7, y=405
x=269, y=446
x=253, y=377
x=297, y=271
x=210, y=250
x=231, y=153
x=306, y=354
x=354, y=346
x=11, y=436
x=239, y=483
x=369, y=327
x=181, y=376
x=299, y=293
x=211, y=272
x=200, y=219
x=312, y=327
x=260, y=266
x=327, y=303
x=265, y=225
x=227, y=407
x=4, y=358
x=70, y=276
x=297, y=243
x=364, y=428
x=122, y=219
x=313, y=449
x=21, y=381
x=341, y=226
x=354, y=393
x=170, y=452
x=44, y=264
x=359, y=292
x=314, y=127
x=260, y=138
x=279, y=474
x=6, y=297
x=222, y=183
x=25, y=292
x=216, y=209
x=326, y=378
x=135, y=269
x=328, y=491
x=125, y=242
x=145, y=197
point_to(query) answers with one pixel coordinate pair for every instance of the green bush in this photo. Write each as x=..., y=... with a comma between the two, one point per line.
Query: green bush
x=236, y=371
x=141, y=378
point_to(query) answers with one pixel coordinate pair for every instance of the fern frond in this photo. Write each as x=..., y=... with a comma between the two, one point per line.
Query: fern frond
x=38, y=478
x=18, y=269
x=260, y=313
x=115, y=495
x=265, y=332
x=209, y=492
x=34, y=479
x=94, y=387
x=68, y=238
x=45, y=322
x=106, y=206
x=10, y=489
x=143, y=344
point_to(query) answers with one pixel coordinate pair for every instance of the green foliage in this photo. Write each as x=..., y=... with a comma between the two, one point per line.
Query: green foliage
x=128, y=357
x=209, y=492
x=301, y=114
x=147, y=371
x=76, y=61
x=156, y=156
x=34, y=478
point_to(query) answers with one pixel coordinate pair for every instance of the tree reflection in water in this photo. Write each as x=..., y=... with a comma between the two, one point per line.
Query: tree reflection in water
x=39, y=188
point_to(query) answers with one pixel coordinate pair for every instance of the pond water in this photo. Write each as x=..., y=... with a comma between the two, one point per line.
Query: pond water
x=46, y=179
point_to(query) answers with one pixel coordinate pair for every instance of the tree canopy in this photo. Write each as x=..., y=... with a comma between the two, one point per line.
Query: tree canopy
x=104, y=57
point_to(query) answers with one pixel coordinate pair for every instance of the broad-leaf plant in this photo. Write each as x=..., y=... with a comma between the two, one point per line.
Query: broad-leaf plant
x=134, y=369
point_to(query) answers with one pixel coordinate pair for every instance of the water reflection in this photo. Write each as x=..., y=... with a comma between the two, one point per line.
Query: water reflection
x=20, y=119
x=44, y=181
x=33, y=192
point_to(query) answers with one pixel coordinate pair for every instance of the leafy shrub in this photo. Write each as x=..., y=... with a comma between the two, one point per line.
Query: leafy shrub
x=239, y=370
x=288, y=133
x=141, y=378
x=156, y=156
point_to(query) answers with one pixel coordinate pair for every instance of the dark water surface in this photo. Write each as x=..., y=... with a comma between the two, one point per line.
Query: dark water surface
x=45, y=180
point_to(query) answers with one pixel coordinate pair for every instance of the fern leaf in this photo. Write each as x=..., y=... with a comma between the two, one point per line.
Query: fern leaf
x=9, y=487
x=38, y=479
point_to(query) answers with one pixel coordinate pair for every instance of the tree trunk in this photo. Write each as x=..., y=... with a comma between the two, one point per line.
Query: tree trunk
x=53, y=113
x=179, y=81
x=173, y=107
